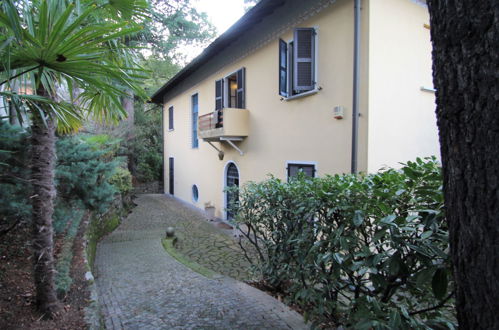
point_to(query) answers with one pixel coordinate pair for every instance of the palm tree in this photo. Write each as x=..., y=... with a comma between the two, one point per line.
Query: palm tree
x=54, y=46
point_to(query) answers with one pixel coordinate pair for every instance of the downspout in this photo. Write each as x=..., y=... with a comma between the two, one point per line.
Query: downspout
x=163, y=136
x=356, y=87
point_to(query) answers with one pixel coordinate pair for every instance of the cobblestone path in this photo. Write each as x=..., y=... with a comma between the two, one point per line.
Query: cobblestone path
x=202, y=242
x=142, y=287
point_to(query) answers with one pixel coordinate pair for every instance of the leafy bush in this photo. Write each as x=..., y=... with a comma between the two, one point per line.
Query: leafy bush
x=101, y=142
x=147, y=145
x=121, y=180
x=363, y=251
x=149, y=166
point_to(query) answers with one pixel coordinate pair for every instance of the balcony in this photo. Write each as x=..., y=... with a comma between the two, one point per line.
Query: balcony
x=225, y=124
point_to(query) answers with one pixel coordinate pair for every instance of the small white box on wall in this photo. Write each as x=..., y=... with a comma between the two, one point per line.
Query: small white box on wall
x=338, y=112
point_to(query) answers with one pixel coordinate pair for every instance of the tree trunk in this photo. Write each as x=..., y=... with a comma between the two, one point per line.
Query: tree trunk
x=129, y=127
x=42, y=173
x=465, y=37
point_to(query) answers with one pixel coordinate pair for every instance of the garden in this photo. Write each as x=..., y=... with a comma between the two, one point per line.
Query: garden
x=93, y=194
x=361, y=251
x=365, y=251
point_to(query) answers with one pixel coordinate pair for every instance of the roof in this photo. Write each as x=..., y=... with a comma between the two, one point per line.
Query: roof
x=254, y=16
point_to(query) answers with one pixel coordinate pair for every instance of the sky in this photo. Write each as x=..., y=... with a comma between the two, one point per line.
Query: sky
x=221, y=13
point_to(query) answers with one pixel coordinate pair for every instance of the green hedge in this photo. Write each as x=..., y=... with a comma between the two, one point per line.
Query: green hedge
x=366, y=252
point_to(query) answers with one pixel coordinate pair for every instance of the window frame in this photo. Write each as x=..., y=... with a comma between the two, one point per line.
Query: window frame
x=222, y=90
x=194, y=122
x=300, y=163
x=195, y=193
x=291, y=93
x=171, y=123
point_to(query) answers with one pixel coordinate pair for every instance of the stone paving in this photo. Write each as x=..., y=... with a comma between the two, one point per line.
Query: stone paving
x=204, y=243
x=142, y=287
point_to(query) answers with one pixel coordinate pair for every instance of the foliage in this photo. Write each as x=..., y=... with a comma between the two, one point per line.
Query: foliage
x=103, y=142
x=121, y=180
x=73, y=58
x=81, y=58
x=100, y=226
x=86, y=178
x=14, y=175
x=160, y=72
x=173, y=24
x=82, y=174
x=87, y=172
x=363, y=251
x=67, y=220
x=147, y=146
x=64, y=213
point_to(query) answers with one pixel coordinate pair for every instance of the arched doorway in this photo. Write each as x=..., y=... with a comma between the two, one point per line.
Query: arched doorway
x=231, y=180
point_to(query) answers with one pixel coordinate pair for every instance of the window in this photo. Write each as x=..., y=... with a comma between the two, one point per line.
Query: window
x=170, y=118
x=195, y=111
x=230, y=91
x=171, y=175
x=195, y=193
x=307, y=169
x=297, y=63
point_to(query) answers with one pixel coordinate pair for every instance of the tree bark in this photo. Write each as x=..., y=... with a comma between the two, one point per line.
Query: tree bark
x=129, y=127
x=42, y=173
x=465, y=37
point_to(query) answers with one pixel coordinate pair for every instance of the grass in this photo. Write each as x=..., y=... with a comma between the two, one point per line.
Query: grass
x=168, y=246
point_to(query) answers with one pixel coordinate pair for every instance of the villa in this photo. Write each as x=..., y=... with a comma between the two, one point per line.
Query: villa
x=319, y=86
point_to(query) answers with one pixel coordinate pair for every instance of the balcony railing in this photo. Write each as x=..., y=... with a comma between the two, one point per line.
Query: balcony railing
x=210, y=121
x=225, y=123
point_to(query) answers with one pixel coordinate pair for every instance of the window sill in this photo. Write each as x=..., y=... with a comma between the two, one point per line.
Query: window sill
x=428, y=89
x=299, y=96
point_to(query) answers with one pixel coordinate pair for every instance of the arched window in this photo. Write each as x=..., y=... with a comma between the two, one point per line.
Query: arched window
x=232, y=180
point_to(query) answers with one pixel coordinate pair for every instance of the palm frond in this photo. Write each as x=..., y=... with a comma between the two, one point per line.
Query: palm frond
x=54, y=45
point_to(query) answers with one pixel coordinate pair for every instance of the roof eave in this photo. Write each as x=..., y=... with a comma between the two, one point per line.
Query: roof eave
x=255, y=14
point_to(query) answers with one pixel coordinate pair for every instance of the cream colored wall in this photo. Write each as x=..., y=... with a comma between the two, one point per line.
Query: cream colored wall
x=301, y=130
x=402, y=122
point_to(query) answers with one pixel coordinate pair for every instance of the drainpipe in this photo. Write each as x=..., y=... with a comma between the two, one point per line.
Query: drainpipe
x=356, y=86
x=163, y=136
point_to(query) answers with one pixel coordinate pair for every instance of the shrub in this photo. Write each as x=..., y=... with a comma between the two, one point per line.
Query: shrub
x=67, y=220
x=363, y=251
x=103, y=142
x=121, y=180
x=147, y=145
x=83, y=173
x=15, y=187
x=149, y=166
x=64, y=213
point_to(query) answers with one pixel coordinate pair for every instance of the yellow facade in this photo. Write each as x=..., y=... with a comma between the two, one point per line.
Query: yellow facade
x=303, y=130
